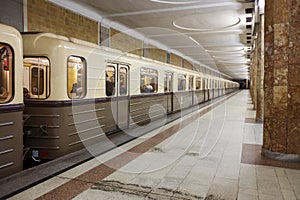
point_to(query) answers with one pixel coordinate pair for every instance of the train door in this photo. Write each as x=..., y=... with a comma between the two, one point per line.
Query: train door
x=119, y=91
x=123, y=94
x=168, y=88
x=191, y=90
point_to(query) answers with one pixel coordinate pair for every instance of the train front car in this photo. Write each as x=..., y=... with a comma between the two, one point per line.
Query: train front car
x=11, y=101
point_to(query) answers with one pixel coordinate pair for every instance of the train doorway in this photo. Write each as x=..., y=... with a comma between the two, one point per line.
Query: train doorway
x=120, y=107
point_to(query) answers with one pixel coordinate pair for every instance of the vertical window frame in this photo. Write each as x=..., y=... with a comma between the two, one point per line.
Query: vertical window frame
x=126, y=77
x=107, y=80
x=48, y=79
x=179, y=79
x=143, y=86
x=169, y=86
x=191, y=83
x=84, y=90
x=199, y=81
x=12, y=77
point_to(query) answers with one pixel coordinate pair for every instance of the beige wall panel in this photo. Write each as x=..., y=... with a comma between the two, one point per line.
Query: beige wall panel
x=175, y=60
x=44, y=16
x=188, y=65
x=197, y=68
x=157, y=54
x=125, y=42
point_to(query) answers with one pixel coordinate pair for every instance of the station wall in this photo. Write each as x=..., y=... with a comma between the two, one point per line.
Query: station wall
x=175, y=60
x=43, y=16
x=126, y=43
x=12, y=13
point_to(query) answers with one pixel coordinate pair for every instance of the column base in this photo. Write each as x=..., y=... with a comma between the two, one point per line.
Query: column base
x=259, y=120
x=280, y=156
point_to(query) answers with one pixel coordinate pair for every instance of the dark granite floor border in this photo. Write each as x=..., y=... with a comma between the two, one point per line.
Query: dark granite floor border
x=251, y=154
x=251, y=121
x=81, y=183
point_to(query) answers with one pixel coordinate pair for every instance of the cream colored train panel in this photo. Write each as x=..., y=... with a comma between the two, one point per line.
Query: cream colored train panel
x=11, y=101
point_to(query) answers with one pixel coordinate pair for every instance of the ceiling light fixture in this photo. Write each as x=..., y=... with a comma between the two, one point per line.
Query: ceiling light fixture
x=175, y=2
x=229, y=57
x=222, y=51
x=204, y=29
x=200, y=22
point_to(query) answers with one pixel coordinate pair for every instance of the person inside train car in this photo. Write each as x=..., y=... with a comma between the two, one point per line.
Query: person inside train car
x=3, y=93
x=153, y=89
x=74, y=88
x=123, y=89
x=147, y=88
x=26, y=93
x=110, y=85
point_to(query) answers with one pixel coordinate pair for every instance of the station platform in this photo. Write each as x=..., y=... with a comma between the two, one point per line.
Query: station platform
x=212, y=153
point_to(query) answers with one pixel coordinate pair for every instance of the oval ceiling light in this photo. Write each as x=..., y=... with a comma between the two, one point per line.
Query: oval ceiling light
x=180, y=2
x=206, y=21
x=225, y=51
x=230, y=57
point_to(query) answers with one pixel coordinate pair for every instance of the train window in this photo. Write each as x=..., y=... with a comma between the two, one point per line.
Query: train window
x=6, y=73
x=123, y=81
x=110, y=83
x=204, y=84
x=191, y=82
x=36, y=77
x=168, y=79
x=198, y=83
x=181, y=82
x=76, y=77
x=149, y=80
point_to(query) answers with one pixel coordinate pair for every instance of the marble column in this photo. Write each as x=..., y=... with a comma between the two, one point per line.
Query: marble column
x=254, y=77
x=260, y=70
x=251, y=81
x=281, y=131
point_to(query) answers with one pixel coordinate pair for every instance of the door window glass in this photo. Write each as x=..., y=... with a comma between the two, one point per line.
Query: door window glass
x=168, y=86
x=149, y=80
x=76, y=77
x=198, y=83
x=191, y=83
x=181, y=82
x=36, y=82
x=123, y=87
x=110, y=80
x=6, y=73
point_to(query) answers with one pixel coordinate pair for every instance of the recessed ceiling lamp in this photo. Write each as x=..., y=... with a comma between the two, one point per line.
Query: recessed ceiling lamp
x=180, y=2
x=229, y=57
x=225, y=51
x=206, y=21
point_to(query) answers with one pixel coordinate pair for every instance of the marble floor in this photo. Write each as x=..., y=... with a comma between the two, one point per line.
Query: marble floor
x=213, y=153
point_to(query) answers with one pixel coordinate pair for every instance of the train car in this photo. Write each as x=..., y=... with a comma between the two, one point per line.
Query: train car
x=76, y=92
x=11, y=101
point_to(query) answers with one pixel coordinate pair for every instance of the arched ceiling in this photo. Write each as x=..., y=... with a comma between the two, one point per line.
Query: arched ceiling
x=216, y=33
